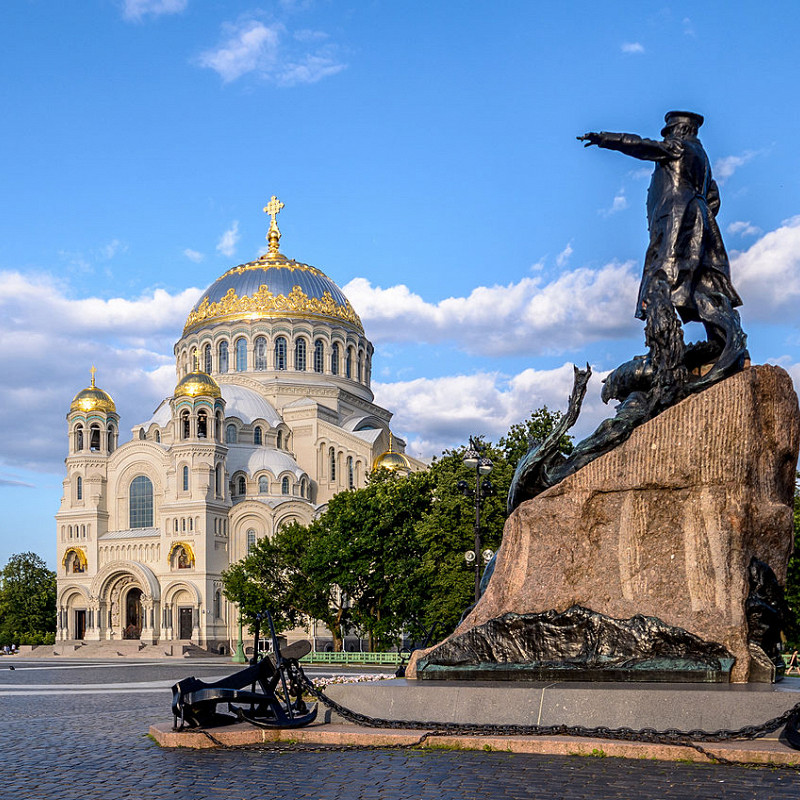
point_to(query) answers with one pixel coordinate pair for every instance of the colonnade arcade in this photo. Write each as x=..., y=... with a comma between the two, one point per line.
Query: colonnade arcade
x=125, y=601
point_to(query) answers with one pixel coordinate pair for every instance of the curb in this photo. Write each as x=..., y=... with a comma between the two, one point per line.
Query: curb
x=760, y=751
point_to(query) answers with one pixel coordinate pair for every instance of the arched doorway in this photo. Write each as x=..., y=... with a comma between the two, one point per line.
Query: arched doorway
x=133, y=614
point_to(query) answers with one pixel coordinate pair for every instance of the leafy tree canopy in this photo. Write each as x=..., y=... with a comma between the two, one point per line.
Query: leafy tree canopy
x=389, y=558
x=27, y=600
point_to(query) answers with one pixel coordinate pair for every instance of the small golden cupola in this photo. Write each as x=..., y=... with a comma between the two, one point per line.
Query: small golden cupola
x=197, y=383
x=93, y=421
x=395, y=462
x=92, y=398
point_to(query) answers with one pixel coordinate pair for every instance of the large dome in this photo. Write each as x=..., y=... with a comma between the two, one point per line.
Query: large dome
x=272, y=286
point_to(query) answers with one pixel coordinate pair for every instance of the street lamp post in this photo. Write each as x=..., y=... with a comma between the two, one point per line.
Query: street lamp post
x=474, y=459
x=239, y=657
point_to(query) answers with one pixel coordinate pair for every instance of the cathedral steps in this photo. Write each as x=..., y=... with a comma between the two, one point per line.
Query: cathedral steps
x=126, y=648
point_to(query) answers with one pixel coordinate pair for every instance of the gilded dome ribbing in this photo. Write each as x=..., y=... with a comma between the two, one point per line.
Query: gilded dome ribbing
x=272, y=286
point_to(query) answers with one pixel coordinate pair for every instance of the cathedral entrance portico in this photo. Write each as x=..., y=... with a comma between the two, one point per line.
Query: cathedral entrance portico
x=128, y=595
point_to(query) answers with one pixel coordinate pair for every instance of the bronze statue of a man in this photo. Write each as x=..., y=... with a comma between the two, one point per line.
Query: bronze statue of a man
x=686, y=252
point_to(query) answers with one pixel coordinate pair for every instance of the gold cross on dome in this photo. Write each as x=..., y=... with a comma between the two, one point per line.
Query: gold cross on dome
x=273, y=208
x=93, y=370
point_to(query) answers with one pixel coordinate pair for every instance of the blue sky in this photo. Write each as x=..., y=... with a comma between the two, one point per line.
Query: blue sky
x=427, y=158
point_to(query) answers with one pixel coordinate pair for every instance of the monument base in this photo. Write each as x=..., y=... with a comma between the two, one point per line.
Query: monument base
x=671, y=525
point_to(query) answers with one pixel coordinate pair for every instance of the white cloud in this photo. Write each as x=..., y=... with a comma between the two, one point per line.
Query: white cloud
x=227, y=242
x=530, y=316
x=248, y=47
x=51, y=340
x=193, y=255
x=109, y=250
x=741, y=228
x=563, y=257
x=268, y=51
x=725, y=167
x=436, y=413
x=136, y=9
x=632, y=48
x=767, y=275
x=619, y=203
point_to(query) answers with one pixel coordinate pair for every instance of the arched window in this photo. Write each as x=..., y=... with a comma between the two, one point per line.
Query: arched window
x=319, y=356
x=185, y=429
x=79, y=437
x=94, y=438
x=251, y=539
x=241, y=354
x=79, y=488
x=142, y=434
x=360, y=376
x=110, y=437
x=207, y=359
x=218, y=604
x=218, y=479
x=332, y=461
x=335, y=359
x=242, y=485
x=351, y=478
x=230, y=434
x=280, y=440
x=176, y=524
x=186, y=479
x=183, y=524
x=348, y=363
x=285, y=485
x=141, y=502
x=304, y=488
x=158, y=436
x=280, y=353
x=257, y=437
x=202, y=425
x=218, y=426
x=261, y=354
x=263, y=485
x=223, y=356
x=300, y=355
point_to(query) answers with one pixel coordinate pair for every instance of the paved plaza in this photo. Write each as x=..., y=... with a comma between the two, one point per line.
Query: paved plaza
x=72, y=729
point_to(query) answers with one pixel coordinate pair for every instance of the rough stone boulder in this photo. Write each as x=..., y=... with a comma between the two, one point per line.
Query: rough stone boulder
x=666, y=524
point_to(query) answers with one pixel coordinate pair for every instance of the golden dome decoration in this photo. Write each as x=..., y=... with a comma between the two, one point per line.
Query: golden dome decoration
x=93, y=399
x=197, y=383
x=272, y=286
x=396, y=462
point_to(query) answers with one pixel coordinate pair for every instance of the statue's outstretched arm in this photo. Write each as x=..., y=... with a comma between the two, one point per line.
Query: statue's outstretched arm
x=632, y=145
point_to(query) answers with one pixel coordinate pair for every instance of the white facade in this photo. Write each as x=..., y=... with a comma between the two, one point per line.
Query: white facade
x=271, y=416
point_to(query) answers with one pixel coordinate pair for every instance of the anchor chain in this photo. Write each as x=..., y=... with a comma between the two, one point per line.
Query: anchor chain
x=674, y=736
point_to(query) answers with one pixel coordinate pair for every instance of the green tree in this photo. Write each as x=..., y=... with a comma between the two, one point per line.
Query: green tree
x=259, y=582
x=27, y=600
x=364, y=546
x=534, y=429
x=388, y=558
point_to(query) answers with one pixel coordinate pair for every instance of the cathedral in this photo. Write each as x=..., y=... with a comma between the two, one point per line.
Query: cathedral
x=271, y=415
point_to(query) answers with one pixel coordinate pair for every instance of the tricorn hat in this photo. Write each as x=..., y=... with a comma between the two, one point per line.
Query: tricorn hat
x=673, y=118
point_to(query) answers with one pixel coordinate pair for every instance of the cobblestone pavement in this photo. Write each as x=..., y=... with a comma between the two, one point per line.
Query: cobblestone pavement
x=86, y=743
